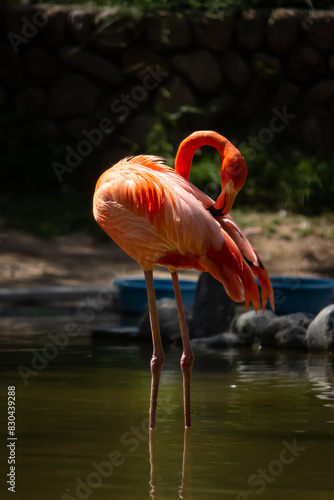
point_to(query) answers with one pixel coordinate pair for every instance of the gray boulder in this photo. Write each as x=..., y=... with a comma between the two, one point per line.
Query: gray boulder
x=72, y=96
x=80, y=24
x=320, y=93
x=226, y=340
x=43, y=130
x=30, y=100
x=174, y=94
x=245, y=329
x=137, y=59
x=250, y=325
x=291, y=338
x=167, y=31
x=92, y=65
x=305, y=64
x=286, y=332
x=236, y=70
x=202, y=69
x=252, y=28
x=55, y=32
x=113, y=30
x=284, y=27
x=265, y=66
x=320, y=334
x=215, y=32
x=252, y=100
x=285, y=95
x=213, y=309
x=168, y=321
x=318, y=27
x=41, y=65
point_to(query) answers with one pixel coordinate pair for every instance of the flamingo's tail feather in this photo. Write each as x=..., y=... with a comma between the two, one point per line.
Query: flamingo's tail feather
x=229, y=267
x=251, y=258
x=265, y=284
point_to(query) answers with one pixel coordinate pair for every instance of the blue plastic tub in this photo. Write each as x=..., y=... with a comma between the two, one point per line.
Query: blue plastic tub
x=295, y=294
x=133, y=295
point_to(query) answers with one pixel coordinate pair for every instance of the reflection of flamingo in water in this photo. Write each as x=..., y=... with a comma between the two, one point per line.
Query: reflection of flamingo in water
x=155, y=486
x=158, y=217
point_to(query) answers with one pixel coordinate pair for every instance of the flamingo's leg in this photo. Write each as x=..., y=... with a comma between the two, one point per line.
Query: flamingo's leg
x=158, y=356
x=187, y=358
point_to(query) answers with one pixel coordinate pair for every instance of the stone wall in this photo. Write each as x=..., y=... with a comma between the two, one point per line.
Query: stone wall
x=101, y=79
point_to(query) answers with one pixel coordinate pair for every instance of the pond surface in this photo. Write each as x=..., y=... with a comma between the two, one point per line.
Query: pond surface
x=262, y=424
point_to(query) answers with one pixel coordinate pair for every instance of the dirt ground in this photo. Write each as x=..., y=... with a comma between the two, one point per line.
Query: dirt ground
x=288, y=245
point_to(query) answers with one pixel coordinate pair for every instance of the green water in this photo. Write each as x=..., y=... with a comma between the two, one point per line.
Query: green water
x=262, y=425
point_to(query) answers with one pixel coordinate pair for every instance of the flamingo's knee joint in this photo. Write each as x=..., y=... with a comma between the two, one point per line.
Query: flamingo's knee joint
x=157, y=362
x=187, y=361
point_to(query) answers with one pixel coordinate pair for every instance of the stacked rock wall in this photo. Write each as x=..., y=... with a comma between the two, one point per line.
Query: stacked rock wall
x=103, y=78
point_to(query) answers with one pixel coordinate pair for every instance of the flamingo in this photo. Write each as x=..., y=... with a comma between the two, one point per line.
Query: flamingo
x=159, y=218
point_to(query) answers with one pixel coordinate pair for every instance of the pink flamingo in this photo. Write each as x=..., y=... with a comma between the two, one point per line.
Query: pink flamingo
x=159, y=218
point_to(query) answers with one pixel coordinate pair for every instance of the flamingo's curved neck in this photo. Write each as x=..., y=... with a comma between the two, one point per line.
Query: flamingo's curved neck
x=195, y=141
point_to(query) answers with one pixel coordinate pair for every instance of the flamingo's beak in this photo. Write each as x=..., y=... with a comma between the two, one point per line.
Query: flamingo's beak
x=226, y=199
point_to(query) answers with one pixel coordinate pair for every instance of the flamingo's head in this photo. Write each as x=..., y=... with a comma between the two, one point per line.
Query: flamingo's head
x=233, y=176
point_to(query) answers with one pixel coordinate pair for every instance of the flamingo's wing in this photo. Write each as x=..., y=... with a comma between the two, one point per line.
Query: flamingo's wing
x=169, y=203
x=178, y=212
